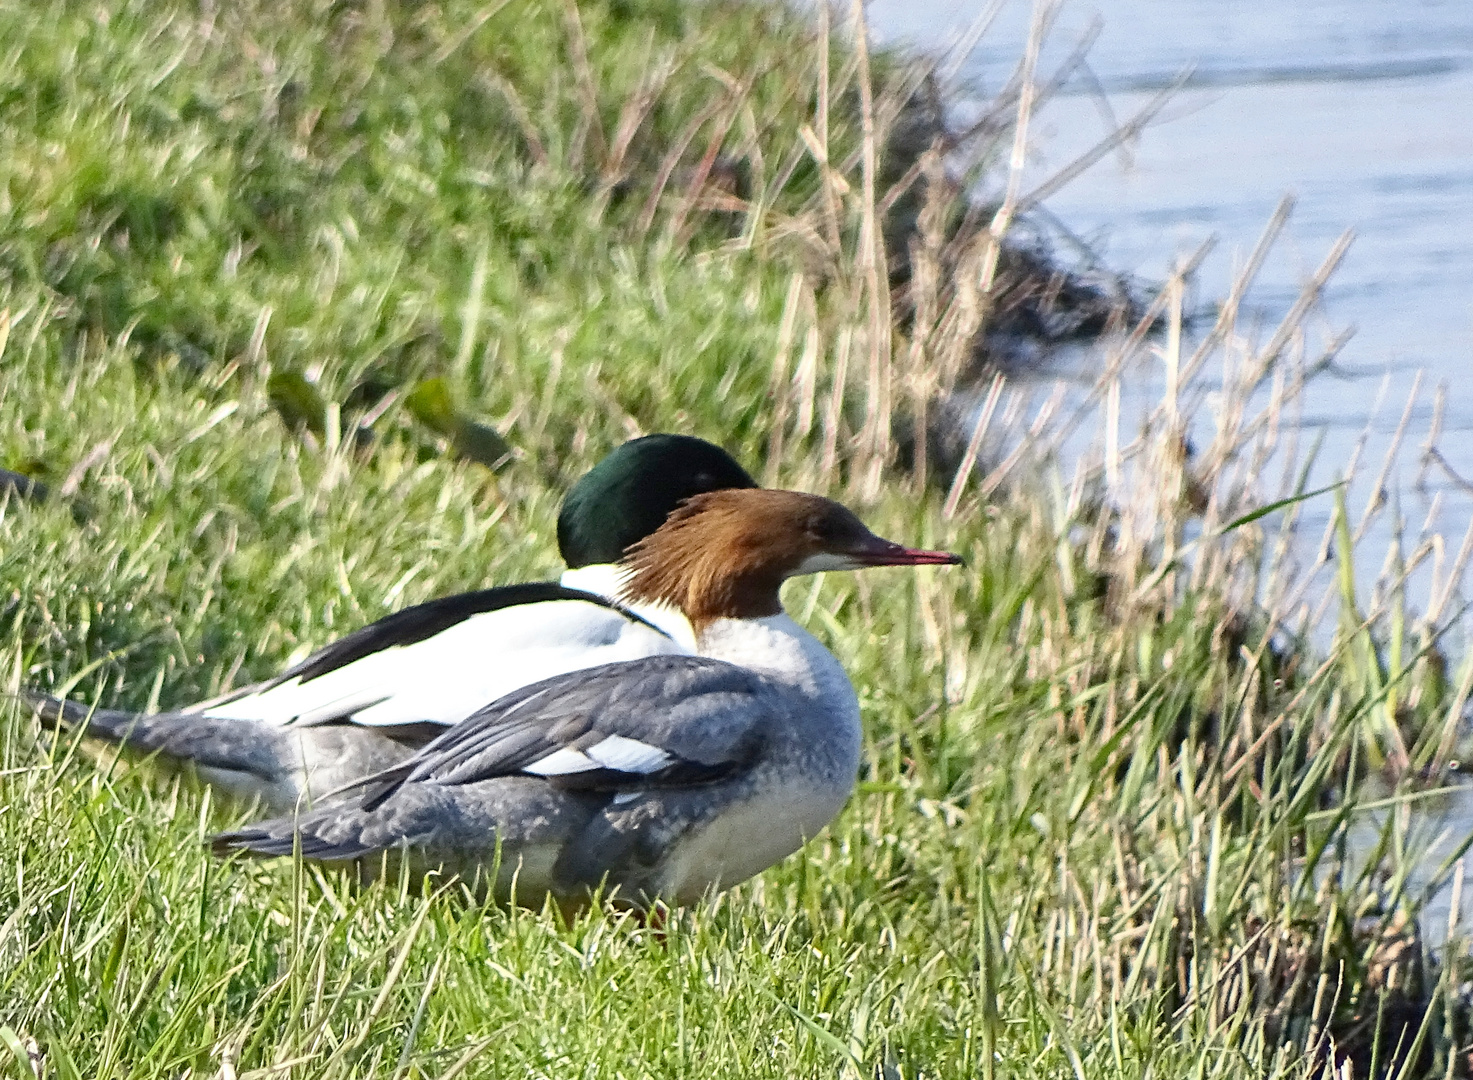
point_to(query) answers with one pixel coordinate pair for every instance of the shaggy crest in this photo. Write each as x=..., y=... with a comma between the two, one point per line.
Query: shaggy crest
x=725, y=554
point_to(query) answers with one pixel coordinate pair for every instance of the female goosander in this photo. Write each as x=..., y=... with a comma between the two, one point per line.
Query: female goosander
x=659, y=778
x=369, y=699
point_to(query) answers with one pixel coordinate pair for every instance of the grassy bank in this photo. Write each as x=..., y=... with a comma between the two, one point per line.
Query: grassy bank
x=1108, y=782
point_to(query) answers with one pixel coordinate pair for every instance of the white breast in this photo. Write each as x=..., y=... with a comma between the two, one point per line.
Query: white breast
x=810, y=767
x=781, y=649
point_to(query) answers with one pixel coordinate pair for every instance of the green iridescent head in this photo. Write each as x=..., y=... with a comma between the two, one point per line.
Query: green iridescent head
x=630, y=493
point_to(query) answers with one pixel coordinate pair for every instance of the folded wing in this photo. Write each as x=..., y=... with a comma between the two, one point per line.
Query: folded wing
x=600, y=737
x=438, y=662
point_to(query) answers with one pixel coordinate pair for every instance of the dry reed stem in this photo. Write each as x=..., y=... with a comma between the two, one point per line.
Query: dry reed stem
x=1282, y=390
x=1235, y=435
x=1227, y=315
x=961, y=52
x=974, y=447
x=1041, y=420
x=919, y=379
x=632, y=115
x=805, y=379
x=1127, y=131
x=930, y=375
x=736, y=95
x=965, y=315
x=1440, y=597
x=1071, y=64
x=834, y=409
x=1373, y=508
x=875, y=435
x=1018, y=157
x=777, y=387
x=1309, y=295
x=1377, y=497
x=591, y=125
x=1454, y=713
x=509, y=93
x=821, y=140
x=751, y=151
x=671, y=160
x=1221, y=453
x=1119, y=356
x=1434, y=432
x=1004, y=107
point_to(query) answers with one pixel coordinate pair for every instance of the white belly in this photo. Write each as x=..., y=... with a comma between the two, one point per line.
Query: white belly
x=745, y=840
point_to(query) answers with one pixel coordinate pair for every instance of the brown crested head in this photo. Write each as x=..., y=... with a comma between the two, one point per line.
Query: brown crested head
x=725, y=554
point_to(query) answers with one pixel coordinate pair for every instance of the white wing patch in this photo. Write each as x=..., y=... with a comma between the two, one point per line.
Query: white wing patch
x=612, y=752
x=629, y=755
x=561, y=763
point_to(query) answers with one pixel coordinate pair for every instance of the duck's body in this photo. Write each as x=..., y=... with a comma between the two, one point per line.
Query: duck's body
x=659, y=778
x=373, y=697
x=666, y=777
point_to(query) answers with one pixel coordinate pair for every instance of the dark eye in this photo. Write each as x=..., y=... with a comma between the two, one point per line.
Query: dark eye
x=823, y=528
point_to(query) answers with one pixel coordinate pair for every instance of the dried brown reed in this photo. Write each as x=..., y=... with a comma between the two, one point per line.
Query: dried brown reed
x=1175, y=534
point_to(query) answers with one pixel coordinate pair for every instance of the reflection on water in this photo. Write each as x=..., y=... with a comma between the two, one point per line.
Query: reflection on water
x=1360, y=109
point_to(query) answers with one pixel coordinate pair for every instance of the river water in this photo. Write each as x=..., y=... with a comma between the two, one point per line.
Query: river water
x=1363, y=111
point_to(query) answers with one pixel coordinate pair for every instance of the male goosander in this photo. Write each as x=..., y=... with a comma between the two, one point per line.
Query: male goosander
x=369, y=699
x=659, y=778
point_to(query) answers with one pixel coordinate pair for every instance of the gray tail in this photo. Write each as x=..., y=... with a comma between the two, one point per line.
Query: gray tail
x=62, y=715
x=284, y=836
x=233, y=746
x=247, y=759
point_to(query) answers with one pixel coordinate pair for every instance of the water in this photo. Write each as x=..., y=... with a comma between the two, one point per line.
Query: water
x=1364, y=112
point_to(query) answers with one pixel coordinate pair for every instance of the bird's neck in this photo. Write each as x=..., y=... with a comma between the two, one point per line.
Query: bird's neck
x=779, y=648
x=706, y=582
x=607, y=580
x=601, y=579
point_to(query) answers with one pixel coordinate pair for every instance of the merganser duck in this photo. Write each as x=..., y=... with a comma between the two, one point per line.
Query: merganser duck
x=371, y=698
x=660, y=778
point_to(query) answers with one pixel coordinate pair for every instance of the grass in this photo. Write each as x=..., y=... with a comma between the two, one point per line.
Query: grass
x=1110, y=774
